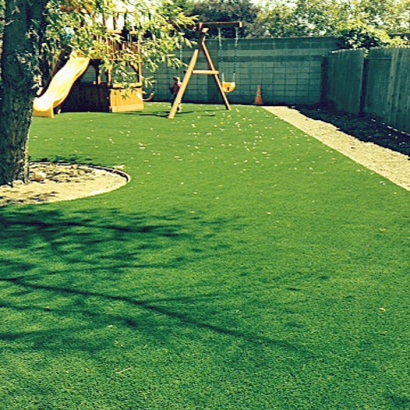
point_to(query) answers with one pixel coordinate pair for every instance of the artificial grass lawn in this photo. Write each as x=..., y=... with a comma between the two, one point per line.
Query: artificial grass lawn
x=246, y=266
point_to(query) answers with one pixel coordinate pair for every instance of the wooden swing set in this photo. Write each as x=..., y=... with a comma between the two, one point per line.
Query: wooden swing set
x=223, y=87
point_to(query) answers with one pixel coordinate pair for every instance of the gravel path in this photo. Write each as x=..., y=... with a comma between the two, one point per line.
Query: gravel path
x=390, y=164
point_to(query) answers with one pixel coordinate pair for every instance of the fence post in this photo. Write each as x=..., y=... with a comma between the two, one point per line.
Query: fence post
x=324, y=92
x=365, y=79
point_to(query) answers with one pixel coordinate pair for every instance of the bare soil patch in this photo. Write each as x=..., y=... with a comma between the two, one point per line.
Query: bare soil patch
x=51, y=182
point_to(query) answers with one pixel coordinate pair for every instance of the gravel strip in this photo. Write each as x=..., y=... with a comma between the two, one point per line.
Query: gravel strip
x=390, y=164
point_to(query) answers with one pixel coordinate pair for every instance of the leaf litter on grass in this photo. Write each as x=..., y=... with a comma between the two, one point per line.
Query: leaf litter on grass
x=267, y=297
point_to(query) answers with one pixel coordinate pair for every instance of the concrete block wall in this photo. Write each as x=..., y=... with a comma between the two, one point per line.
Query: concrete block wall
x=289, y=70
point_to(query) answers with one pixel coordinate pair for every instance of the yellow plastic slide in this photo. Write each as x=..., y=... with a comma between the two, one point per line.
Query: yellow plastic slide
x=60, y=86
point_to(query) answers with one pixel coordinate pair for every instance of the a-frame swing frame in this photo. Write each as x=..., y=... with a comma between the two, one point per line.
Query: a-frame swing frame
x=203, y=29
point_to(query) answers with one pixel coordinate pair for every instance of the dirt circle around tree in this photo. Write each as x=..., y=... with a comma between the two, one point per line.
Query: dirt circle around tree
x=51, y=182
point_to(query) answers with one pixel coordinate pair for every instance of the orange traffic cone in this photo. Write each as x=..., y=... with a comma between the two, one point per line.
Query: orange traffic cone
x=258, y=98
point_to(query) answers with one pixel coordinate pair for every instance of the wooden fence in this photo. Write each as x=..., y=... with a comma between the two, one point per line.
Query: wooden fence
x=375, y=83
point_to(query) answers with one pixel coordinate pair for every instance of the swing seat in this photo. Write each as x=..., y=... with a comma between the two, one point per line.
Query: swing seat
x=228, y=87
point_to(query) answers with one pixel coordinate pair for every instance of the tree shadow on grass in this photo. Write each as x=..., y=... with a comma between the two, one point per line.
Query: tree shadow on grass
x=68, y=274
x=164, y=114
x=200, y=109
x=398, y=402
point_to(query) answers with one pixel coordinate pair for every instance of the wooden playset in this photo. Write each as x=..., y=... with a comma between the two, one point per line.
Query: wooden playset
x=223, y=87
x=96, y=90
x=81, y=84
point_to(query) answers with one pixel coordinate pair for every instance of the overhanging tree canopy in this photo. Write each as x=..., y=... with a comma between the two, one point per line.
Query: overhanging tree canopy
x=33, y=31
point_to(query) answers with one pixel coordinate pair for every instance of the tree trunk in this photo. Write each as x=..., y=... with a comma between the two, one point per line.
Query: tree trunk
x=25, y=21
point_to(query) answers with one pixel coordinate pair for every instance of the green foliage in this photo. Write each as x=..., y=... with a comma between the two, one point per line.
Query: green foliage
x=85, y=26
x=386, y=15
x=313, y=17
x=229, y=10
x=300, y=19
x=185, y=5
x=245, y=266
x=277, y=21
x=365, y=36
x=160, y=28
x=37, y=33
x=317, y=18
x=2, y=10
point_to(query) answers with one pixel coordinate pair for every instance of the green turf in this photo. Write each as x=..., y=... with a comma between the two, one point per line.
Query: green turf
x=246, y=266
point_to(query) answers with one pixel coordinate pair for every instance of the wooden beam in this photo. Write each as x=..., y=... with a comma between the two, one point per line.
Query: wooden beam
x=211, y=71
x=216, y=76
x=185, y=83
x=207, y=72
x=219, y=24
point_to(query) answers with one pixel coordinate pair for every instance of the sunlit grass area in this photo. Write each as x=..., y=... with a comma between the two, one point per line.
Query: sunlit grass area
x=245, y=266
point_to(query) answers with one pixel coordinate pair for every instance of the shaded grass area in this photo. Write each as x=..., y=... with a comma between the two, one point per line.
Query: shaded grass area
x=246, y=266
